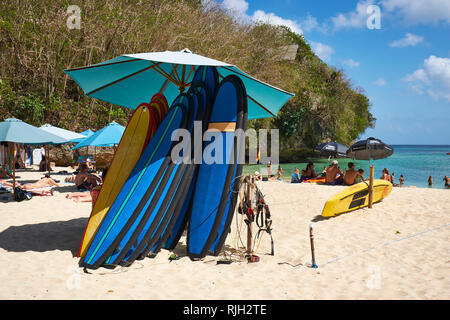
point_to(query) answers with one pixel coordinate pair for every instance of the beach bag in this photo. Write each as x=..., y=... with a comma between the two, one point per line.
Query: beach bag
x=21, y=195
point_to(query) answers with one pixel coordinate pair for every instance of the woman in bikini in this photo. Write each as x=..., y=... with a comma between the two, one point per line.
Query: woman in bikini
x=45, y=182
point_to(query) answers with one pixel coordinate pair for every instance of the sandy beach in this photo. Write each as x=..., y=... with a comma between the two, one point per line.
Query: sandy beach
x=397, y=250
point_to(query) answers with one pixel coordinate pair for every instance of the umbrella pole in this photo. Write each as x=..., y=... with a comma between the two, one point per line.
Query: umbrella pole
x=47, y=161
x=14, y=170
x=371, y=186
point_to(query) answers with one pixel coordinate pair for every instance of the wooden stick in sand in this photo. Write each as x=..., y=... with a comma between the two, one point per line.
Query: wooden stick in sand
x=311, y=238
x=249, y=225
x=371, y=187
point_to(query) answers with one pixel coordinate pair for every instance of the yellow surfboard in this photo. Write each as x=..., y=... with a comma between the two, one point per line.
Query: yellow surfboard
x=133, y=141
x=355, y=197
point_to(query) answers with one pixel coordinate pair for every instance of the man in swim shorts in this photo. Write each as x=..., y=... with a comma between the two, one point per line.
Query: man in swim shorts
x=332, y=172
x=351, y=174
x=84, y=180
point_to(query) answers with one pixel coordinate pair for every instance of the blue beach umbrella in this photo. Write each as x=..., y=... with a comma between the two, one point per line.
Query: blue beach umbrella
x=106, y=137
x=130, y=79
x=63, y=133
x=16, y=131
x=86, y=134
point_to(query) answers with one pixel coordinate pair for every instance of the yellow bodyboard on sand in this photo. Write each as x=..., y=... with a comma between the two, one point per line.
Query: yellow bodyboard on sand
x=128, y=152
x=355, y=197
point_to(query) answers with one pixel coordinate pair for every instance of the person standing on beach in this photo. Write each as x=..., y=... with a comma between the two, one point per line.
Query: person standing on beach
x=430, y=181
x=392, y=178
x=385, y=175
x=402, y=180
x=269, y=169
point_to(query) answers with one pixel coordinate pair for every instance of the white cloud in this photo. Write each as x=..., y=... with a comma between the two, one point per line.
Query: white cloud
x=238, y=7
x=433, y=78
x=414, y=12
x=273, y=19
x=353, y=19
x=380, y=82
x=351, y=63
x=409, y=40
x=323, y=51
x=310, y=23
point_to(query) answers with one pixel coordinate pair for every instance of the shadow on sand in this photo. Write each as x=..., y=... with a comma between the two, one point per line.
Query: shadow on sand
x=41, y=237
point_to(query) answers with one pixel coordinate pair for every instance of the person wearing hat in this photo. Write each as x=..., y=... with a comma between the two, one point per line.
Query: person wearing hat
x=332, y=172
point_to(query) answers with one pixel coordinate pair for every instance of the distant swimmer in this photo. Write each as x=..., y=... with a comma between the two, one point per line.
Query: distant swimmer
x=430, y=181
x=402, y=180
x=447, y=181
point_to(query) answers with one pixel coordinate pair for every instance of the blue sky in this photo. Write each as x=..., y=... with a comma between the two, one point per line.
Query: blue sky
x=403, y=66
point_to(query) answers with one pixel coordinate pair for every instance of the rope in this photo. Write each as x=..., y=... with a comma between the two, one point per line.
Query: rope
x=389, y=242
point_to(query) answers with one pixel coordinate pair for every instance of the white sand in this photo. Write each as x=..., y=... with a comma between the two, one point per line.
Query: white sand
x=360, y=254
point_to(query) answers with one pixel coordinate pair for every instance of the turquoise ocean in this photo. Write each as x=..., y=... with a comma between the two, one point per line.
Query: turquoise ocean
x=415, y=162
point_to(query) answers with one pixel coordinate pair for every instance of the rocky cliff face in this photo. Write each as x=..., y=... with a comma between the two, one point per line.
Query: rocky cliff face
x=64, y=156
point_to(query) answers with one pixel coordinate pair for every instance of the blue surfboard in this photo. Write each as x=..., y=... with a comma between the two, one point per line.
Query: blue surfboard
x=205, y=81
x=148, y=174
x=214, y=200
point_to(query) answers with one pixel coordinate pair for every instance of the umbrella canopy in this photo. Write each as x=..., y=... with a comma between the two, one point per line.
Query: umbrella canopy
x=63, y=133
x=106, y=137
x=17, y=131
x=131, y=79
x=332, y=149
x=368, y=149
x=86, y=134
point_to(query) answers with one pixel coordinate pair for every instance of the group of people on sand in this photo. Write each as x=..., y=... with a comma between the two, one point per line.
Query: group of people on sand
x=85, y=180
x=32, y=186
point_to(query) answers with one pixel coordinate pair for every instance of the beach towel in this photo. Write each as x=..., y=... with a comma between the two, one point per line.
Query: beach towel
x=45, y=191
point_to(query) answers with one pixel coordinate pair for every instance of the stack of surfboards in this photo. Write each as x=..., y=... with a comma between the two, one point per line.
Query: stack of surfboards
x=156, y=186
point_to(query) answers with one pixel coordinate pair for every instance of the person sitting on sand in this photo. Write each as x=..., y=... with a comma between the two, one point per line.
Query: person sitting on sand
x=359, y=177
x=447, y=181
x=257, y=176
x=295, y=177
x=350, y=174
x=332, y=172
x=324, y=172
x=430, y=181
x=309, y=172
x=19, y=162
x=44, y=182
x=43, y=165
x=85, y=180
x=385, y=175
x=4, y=174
